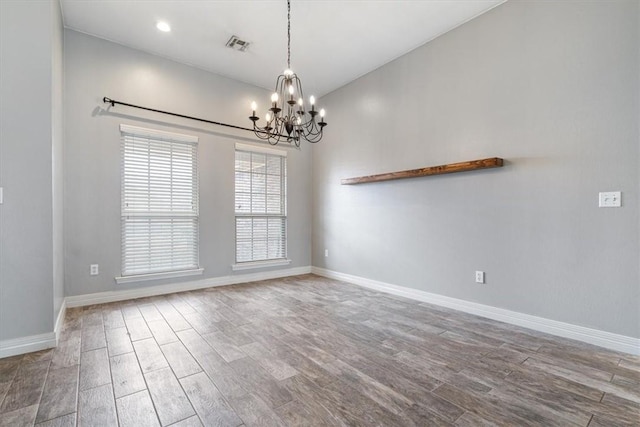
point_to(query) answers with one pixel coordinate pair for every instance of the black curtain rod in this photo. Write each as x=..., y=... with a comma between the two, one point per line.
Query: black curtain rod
x=113, y=102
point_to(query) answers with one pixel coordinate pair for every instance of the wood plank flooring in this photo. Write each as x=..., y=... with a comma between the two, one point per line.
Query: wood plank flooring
x=309, y=351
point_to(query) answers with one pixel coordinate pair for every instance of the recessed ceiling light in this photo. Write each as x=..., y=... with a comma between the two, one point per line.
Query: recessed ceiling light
x=163, y=26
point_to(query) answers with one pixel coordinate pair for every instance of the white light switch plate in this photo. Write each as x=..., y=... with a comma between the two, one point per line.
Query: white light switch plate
x=1, y=195
x=610, y=199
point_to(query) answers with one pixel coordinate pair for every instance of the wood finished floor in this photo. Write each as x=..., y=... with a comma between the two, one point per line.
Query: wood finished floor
x=309, y=351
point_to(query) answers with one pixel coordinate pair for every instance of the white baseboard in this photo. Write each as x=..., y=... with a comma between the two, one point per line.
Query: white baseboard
x=60, y=320
x=112, y=296
x=34, y=342
x=566, y=330
x=580, y=333
x=27, y=344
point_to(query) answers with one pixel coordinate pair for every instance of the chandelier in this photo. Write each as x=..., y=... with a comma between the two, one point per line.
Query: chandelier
x=288, y=119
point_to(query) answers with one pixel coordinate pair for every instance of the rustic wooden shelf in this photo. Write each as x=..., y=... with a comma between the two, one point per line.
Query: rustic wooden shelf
x=472, y=165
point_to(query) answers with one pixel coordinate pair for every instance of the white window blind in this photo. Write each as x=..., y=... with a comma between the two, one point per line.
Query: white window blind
x=261, y=204
x=159, y=201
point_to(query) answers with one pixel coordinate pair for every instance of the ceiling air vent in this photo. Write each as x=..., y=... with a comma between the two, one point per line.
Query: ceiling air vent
x=236, y=44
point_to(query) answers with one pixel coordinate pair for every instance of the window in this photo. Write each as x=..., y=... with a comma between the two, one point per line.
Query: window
x=159, y=203
x=260, y=204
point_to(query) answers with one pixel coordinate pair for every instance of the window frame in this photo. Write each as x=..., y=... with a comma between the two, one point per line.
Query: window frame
x=167, y=211
x=263, y=262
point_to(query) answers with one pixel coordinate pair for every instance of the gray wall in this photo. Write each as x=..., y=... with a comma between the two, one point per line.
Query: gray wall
x=27, y=98
x=57, y=124
x=95, y=68
x=553, y=88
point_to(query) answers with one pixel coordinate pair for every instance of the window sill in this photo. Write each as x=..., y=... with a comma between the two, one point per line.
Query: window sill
x=156, y=276
x=260, y=264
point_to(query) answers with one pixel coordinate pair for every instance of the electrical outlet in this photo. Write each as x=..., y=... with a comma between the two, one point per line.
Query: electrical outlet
x=326, y=253
x=479, y=276
x=94, y=270
x=609, y=199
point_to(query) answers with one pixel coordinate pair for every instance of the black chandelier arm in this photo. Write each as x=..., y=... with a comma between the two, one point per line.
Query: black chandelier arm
x=314, y=138
x=312, y=127
x=298, y=85
x=275, y=138
x=281, y=87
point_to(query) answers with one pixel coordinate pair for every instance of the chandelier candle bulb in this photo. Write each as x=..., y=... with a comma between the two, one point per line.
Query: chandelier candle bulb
x=254, y=107
x=292, y=100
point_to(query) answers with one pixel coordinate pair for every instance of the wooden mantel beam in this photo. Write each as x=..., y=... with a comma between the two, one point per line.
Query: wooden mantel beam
x=472, y=165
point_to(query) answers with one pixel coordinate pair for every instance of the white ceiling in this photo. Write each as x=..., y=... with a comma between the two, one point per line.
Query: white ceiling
x=332, y=42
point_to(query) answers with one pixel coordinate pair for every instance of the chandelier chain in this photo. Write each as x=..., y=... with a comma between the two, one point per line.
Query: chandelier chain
x=289, y=34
